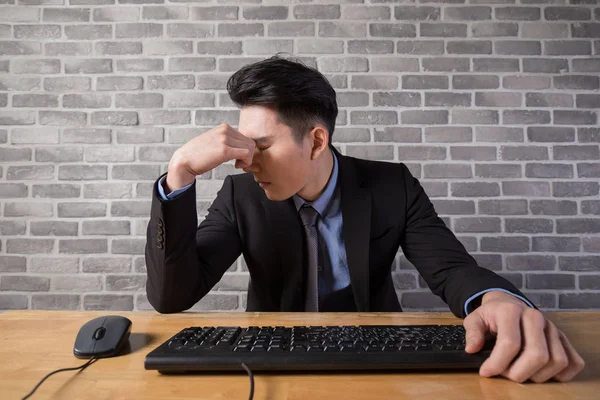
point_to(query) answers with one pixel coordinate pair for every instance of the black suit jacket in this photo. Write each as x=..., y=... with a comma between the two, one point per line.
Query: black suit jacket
x=383, y=208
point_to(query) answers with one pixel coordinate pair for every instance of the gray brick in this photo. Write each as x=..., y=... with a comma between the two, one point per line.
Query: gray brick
x=164, y=117
x=196, y=64
x=92, y=66
x=215, y=13
x=231, y=64
x=588, y=170
x=53, y=228
x=370, y=13
x=518, y=13
x=579, y=300
x=15, y=48
x=215, y=117
x=314, y=12
x=216, y=302
x=588, y=101
x=479, y=224
x=553, y=207
x=376, y=82
x=469, y=47
x=128, y=246
x=589, y=282
x=86, y=135
x=503, y=207
x=135, y=172
x=336, y=29
x=498, y=170
x=77, y=283
x=545, y=30
x=352, y=135
x=380, y=47
x=555, y=244
x=550, y=134
x=17, y=118
x=171, y=82
x=531, y=262
x=130, y=208
x=183, y=135
x=526, y=82
x=107, y=191
x=398, y=135
x=591, y=152
x=489, y=261
x=371, y=152
x=374, y=117
x=42, y=32
x=567, y=47
x=141, y=100
x=168, y=47
x=447, y=171
x=494, y=29
x=526, y=189
x=140, y=135
x=530, y=225
x=88, y=32
x=28, y=209
x=12, y=227
x=108, y=302
x=109, y=154
x=352, y=99
x=269, y=47
x=587, y=65
x=35, y=100
x=544, y=65
x=422, y=300
x=13, y=190
x=68, y=49
x=274, y=12
x=233, y=282
x=249, y=30
x=116, y=14
x=29, y=246
x=219, y=48
x=156, y=153
x=91, y=100
x=82, y=172
x=105, y=228
x=591, y=244
x=55, y=191
x=577, y=82
x=507, y=244
x=35, y=66
x=29, y=136
x=21, y=14
x=567, y=13
x=448, y=134
x=442, y=99
x=578, y=225
x=540, y=170
x=139, y=65
x=189, y=100
x=119, y=83
x=164, y=12
x=575, y=189
x=30, y=172
x=590, y=207
x=574, y=117
x=118, y=48
x=443, y=30
x=474, y=189
x=125, y=282
x=524, y=153
x=405, y=30
x=56, y=302
x=425, y=82
x=475, y=82
x=118, y=118
x=62, y=118
x=82, y=209
x=25, y=283
x=66, y=14
x=187, y=30
x=106, y=264
x=70, y=84
x=13, y=302
x=497, y=65
x=12, y=264
x=579, y=263
x=585, y=30
x=421, y=153
x=138, y=30
x=474, y=153
x=425, y=117
x=82, y=246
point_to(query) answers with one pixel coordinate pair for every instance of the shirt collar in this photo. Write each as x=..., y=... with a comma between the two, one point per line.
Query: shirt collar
x=321, y=203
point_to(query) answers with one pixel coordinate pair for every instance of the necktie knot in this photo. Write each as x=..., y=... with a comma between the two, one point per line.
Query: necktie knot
x=308, y=215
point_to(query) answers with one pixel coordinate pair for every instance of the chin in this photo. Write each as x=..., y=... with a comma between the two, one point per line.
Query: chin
x=274, y=196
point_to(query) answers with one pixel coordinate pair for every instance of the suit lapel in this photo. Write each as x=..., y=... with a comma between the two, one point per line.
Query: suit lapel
x=289, y=243
x=356, y=215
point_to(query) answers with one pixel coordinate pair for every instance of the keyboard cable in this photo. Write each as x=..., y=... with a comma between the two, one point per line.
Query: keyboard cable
x=251, y=375
x=82, y=367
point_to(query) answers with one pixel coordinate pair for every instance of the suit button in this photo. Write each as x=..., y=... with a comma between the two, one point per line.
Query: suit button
x=160, y=230
x=159, y=245
x=159, y=238
x=320, y=268
x=159, y=222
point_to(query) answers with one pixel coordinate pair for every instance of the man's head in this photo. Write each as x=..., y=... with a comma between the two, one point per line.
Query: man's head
x=290, y=110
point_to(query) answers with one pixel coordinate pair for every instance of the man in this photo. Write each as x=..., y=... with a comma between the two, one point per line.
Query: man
x=319, y=230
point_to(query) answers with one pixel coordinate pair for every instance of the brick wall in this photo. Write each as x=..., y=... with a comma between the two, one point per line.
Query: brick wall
x=493, y=104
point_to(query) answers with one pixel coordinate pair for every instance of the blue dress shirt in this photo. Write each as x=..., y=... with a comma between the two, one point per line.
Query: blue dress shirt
x=334, y=277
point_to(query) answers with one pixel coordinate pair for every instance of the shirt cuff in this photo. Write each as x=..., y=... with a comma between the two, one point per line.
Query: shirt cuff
x=174, y=193
x=489, y=290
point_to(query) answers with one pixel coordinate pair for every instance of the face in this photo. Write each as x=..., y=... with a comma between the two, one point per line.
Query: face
x=281, y=164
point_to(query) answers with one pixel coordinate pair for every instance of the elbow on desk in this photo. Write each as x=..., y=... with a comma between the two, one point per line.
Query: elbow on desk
x=163, y=305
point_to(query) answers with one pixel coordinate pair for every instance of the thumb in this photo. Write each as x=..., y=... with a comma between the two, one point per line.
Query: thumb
x=476, y=329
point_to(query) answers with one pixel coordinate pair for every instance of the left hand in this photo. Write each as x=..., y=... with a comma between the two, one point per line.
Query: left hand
x=528, y=346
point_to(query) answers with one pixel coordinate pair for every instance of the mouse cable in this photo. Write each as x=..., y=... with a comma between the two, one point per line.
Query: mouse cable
x=82, y=367
x=251, y=380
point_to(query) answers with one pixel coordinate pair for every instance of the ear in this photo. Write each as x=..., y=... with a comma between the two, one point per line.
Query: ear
x=320, y=143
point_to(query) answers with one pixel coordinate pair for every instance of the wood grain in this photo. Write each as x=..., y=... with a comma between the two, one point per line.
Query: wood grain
x=34, y=343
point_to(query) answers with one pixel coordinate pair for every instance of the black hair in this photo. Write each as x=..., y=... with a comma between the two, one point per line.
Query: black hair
x=301, y=95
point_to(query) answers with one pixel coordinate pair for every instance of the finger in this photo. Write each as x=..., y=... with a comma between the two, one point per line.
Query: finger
x=508, y=341
x=576, y=363
x=558, y=357
x=475, y=329
x=235, y=134
x=239, y=154
x=535, y=354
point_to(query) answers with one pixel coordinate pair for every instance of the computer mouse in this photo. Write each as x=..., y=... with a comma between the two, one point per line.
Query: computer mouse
x=102, y=337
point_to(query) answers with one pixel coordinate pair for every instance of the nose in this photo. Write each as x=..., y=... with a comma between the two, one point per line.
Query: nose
x=254, y=167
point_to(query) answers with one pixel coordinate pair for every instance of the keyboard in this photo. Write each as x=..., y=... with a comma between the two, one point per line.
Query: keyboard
x=313, y=348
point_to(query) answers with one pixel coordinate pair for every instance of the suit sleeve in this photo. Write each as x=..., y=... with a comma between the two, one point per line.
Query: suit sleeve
x=183, y=260
x=449, y=270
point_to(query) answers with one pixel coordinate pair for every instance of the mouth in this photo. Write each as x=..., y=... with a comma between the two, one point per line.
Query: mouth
x=263, y=184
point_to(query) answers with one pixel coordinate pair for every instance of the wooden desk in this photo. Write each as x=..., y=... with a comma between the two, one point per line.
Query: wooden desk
x=34, y=343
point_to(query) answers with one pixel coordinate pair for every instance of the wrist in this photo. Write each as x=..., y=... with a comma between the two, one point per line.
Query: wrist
x=497, y=295
x=178, y=176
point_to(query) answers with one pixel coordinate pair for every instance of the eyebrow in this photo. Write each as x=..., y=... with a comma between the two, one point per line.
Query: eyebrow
x=262, y=139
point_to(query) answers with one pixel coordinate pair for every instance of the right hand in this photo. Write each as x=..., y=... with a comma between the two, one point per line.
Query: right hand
x=207, y=151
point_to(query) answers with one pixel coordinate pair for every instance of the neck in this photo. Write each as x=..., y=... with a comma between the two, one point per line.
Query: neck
x=323, y=168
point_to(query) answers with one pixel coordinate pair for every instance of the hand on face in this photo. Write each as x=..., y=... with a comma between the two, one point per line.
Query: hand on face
x=528, y=346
